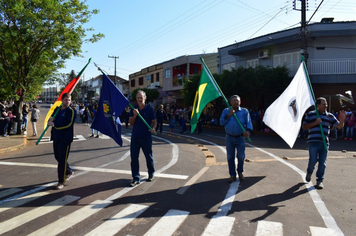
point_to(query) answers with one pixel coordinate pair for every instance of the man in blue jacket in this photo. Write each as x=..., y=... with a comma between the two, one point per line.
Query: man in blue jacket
x=62, y=136
x=235, y=137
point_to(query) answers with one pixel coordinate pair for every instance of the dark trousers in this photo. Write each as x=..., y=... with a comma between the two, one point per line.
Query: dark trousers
x=61, y=150
x=160, y=125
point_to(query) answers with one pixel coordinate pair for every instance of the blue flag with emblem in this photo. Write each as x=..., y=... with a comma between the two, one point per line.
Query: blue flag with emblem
x=111, y=104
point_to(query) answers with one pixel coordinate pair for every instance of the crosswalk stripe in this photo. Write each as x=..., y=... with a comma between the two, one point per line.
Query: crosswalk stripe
x=318, y=231
x=70, y=220
x=21, y=201
x=169, y=223
x=8, y=192
x=219, y=225
x=119, y=221
x=269, y=228
x=35, y=213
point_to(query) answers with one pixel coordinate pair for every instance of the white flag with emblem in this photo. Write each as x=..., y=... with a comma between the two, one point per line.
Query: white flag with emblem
x=285, y=115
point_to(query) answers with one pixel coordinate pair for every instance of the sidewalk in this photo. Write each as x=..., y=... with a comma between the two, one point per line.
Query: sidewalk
x=16, y=141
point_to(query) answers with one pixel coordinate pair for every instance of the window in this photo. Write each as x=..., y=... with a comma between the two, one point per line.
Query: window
x=195, y=70
x=133, y=83
x=252, y=63
x=290, y=60
x=152, y=78
x=140, y=81
x=148, y=81
x=157, y=77
x=229, y=66
x=168, y=73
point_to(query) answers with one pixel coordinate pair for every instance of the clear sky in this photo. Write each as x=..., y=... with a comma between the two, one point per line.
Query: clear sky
x=146, y=32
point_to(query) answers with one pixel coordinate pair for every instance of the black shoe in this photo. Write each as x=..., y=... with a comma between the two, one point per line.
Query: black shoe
x=150, y=178
x=319, y=185
x=231, y=179
x=97, y=136
x=241, y=176
x=134, y=183
x=91, y=135
x=308, y=177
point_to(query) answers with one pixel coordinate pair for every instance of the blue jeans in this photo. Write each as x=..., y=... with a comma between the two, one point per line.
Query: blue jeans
x=317, y=153
x=350, y=129
x=146, y=145
x=233, y=143
x=24, y=122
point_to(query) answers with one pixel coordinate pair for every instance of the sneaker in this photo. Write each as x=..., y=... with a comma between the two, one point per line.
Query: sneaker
x=241, y=176
x=308, y=177
x=319, y=185
x=91, y=136
x=97, y=136
x=150, y=178
x=350, y=139
x=134, y=183
x=345, y=138
x=231, y=179
x=69, y=176
x=59, y=186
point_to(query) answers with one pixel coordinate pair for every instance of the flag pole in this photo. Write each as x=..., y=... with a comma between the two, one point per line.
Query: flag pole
x=316, y=108
x=132, y=107
x=226, y=101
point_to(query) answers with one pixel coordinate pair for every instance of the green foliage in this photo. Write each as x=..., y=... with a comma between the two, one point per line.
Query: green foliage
x=253, y=85
x=36, y=37
x=151, y=94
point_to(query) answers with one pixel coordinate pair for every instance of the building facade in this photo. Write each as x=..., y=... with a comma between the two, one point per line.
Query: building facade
x=331, y=56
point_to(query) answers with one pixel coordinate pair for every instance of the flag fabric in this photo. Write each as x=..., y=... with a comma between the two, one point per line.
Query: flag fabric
x=206, y=92
x=285, y=115
x=111, y=104
x=68, y=89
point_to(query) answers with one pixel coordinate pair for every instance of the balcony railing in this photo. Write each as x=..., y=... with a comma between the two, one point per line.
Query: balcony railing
x=332, y=67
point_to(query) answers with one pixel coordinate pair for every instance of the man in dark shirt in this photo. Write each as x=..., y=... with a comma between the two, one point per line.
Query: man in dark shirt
x=142, y=137
x=62, y=136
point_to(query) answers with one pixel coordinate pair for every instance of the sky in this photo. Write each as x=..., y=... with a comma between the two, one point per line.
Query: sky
x=142, y=33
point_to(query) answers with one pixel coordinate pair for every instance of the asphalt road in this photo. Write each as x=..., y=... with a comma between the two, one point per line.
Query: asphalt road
x=189, y=195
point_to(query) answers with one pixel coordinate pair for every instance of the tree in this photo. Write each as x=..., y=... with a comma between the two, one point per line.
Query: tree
x=151, y=94
x=36, y=37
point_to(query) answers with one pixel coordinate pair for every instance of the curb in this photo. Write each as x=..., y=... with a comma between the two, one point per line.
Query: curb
x=14, y=148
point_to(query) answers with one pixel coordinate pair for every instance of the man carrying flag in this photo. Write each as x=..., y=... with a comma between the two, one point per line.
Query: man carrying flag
x=317, y=152
x=141, y=137
x=235, y=136
x=62, y=136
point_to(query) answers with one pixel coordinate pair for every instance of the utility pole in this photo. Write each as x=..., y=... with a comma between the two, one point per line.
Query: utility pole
x=303, y=28
x=115, y=57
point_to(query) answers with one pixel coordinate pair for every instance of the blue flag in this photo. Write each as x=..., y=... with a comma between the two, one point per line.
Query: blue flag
x=112, y=103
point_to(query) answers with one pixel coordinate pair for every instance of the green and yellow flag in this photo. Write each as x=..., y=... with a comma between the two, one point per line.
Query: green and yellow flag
x=206, y=92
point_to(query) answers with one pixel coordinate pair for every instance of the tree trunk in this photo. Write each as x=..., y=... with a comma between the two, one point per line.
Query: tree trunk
x=19, y=115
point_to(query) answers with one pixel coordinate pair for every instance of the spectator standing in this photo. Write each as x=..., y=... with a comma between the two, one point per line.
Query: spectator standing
x=24, y=117
x=34, y=118
x=160, y=114
x=351, y=120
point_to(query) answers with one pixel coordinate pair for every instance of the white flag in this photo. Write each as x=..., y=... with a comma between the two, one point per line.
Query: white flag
x=285, y=114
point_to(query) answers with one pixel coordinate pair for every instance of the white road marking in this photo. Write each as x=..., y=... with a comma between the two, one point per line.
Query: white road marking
x=93, y=169
x=21, y=201
x=9, y=191
x=46, y=139
x=168, y=224
x=194, y=179
x=318, y=231
x=318, y=202
x=35, y=213
x=220, y=224
x=269, y=228
x=119, y=221
x=71, y=219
